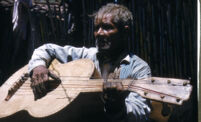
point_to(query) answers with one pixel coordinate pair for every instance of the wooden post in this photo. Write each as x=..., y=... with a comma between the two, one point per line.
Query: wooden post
x=198, y=60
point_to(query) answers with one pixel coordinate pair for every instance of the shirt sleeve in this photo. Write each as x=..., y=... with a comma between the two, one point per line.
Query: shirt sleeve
x=140, y=69
x=138, y=108
x=46, y=53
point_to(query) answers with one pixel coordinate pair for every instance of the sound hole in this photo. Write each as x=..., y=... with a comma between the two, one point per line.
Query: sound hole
x=50, y=86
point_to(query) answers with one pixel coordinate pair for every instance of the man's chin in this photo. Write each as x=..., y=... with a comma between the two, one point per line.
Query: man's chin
x=102, y=50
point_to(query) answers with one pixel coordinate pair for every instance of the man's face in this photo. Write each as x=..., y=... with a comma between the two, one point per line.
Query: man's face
x=107, y=34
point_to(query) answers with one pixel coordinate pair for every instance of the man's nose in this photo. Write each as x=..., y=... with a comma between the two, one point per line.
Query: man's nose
x=100, y=31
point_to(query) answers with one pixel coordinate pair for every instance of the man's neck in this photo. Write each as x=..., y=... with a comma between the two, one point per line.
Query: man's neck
x=108, y=61
x=111, y=56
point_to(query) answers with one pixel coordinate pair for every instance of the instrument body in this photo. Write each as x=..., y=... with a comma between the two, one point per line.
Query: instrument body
x=76, y=79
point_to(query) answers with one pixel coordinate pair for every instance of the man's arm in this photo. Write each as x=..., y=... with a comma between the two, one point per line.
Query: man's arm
x=120, y=105
x=42, y=58
x=138, y=108
x=46, y=53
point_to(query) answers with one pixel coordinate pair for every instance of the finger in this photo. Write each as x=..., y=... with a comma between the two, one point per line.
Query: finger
x=42, y=88
x=106, y=85
x=35, y=93
x=38, y=89
x=119, y=86
x=42, y=83
x=45, y=77
x=37, y=85
x=32, y=82
x=113, y=85
x=36, y=79
x=52, y=75
x=33, y=78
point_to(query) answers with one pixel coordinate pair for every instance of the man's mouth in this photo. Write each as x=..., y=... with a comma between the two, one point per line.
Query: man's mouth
x=103, y=43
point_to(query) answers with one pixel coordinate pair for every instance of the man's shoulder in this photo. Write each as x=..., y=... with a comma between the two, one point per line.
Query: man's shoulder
x=90, y=50
x=137, y=60
x=140, y=68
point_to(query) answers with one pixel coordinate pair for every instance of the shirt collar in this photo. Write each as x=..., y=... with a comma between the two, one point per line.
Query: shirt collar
x=125, y=60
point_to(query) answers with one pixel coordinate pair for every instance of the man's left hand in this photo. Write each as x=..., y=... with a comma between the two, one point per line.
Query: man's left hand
x=114, y=97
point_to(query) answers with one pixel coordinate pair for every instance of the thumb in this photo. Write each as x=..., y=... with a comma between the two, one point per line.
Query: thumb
x=52, y=75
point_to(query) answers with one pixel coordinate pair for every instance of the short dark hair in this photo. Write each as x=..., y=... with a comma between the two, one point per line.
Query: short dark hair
x=121, y=15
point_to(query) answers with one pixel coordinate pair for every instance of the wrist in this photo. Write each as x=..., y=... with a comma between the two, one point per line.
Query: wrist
x=115, y=111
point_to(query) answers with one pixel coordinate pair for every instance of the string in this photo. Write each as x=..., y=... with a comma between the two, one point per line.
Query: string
x=144, y=89
x=91, y=83
x=72, y=90
x=92, y=86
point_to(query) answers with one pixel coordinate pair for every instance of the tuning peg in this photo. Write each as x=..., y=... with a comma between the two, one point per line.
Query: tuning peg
x=152, y=80
x=145, y=93
x=168, y=81
x=185, y=83
x=178, y=99
x=162, y=96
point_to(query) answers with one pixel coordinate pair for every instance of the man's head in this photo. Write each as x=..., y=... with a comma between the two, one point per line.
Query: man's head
x=112, y=25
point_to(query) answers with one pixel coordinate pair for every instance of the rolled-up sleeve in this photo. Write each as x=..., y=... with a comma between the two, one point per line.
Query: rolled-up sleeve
x=46, y=53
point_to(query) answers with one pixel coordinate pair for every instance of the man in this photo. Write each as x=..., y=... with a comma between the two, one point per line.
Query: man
x=111, y=58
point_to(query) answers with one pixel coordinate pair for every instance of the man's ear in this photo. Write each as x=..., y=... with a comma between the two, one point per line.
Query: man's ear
x=126, y=28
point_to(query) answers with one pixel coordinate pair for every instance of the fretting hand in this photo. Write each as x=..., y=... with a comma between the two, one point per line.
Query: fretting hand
x=114, y=97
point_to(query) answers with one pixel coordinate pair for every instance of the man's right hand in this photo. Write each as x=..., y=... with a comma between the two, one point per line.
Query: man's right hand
x=39, y=76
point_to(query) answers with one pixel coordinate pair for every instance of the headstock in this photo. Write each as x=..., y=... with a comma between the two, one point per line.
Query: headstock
x=169, y=90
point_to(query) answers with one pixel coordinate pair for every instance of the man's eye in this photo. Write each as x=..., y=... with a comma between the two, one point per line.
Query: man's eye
x=104, y=27
x=96, y=28
x=107, y=27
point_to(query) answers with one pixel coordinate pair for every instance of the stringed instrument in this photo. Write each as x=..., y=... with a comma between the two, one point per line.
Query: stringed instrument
x=77, y=77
